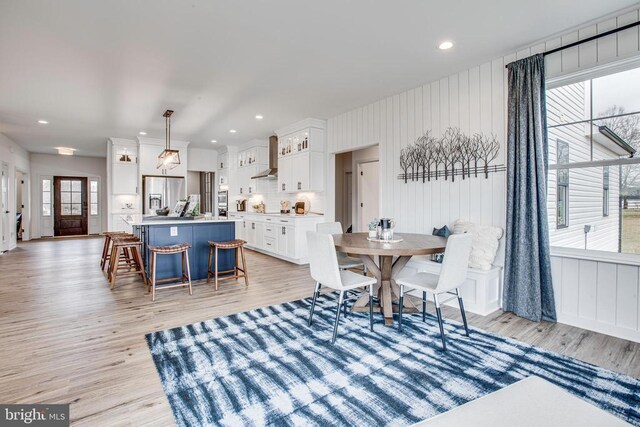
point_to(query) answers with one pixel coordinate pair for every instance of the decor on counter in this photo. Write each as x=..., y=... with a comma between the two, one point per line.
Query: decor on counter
x=163, y=212
x=178, y=210
x=303, y=206
x=260, y=207
x=454, y=154
x=528, y=287
x=266, y=367
x=169, y=158
x=284, y=207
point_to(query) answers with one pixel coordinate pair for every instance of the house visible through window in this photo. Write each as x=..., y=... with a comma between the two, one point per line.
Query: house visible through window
x=562, y=200
x=605, y=191
x=593, y=191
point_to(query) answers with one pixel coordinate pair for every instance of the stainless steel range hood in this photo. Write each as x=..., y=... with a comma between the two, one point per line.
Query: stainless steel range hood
x=272, y=172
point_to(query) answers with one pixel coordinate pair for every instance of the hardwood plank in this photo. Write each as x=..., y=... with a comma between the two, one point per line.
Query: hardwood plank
x=67, y=338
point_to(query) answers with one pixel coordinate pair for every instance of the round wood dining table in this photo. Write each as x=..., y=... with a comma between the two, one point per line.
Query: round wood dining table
x=387, y=268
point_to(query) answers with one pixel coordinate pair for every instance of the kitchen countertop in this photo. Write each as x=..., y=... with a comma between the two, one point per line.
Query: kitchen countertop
x=279, y=215
x=140, y=220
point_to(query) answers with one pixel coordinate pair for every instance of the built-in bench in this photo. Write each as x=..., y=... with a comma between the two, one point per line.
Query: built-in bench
x=482, y=292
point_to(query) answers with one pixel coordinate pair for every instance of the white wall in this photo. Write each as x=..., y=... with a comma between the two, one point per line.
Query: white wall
x=473, y=100
x=56, y=165
x=202, y=160
x=16, y=157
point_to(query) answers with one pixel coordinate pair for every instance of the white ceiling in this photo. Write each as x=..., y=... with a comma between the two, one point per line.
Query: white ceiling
x=98, y=68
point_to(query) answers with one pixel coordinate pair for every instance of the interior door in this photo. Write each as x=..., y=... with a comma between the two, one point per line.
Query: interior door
x=70, y=206
x=6, y=232
x=368, y=193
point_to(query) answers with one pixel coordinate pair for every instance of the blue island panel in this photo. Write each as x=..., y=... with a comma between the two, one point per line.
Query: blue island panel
x=198, y=235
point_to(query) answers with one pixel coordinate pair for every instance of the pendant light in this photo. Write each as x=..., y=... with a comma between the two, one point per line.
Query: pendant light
x=169, y=158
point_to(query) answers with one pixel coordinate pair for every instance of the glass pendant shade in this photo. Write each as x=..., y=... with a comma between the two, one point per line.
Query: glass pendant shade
x=169, y=158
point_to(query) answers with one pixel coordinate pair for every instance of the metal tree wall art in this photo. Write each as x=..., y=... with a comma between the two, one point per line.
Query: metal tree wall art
x=454, y=154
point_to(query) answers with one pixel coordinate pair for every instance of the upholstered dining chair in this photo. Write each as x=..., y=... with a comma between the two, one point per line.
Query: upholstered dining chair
x=452, y=275
x=323, y=263
x=344, y=261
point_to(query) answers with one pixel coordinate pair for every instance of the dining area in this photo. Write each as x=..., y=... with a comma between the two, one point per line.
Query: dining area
x=367, y=273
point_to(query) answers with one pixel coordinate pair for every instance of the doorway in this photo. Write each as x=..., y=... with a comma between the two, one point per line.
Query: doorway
x=70, y=206
x=4, y=202
x=368, y=193
x=21, y=206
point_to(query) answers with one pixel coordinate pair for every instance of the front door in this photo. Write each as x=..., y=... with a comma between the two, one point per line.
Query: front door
x=70, y=202
x=4, y=213
x=368, y=193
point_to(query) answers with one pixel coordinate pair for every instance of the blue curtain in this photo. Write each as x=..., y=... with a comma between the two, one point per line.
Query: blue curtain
x=528, y=289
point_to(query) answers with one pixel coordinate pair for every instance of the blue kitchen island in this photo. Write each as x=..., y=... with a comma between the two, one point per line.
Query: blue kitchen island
x=196, y=232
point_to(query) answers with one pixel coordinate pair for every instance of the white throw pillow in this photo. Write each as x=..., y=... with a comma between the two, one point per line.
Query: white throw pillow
x=484, y=245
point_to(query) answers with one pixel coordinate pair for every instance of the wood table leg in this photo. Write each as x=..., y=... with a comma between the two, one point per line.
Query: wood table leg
x=362, y=303
x=386, y=301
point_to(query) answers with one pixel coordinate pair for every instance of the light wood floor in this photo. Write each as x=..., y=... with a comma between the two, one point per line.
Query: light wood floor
x=65, y=337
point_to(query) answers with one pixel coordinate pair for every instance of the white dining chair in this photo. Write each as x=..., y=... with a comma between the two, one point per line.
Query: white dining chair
x=323, y=263
x=344, y=261
x=452, y=275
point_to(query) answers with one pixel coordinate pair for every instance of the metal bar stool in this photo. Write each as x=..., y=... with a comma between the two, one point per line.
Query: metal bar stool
x=106, y=249
x=181, y=248
x=125, y=255
x=213, y=253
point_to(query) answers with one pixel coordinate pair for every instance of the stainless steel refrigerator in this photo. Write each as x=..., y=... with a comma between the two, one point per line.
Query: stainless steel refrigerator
x=160, y=192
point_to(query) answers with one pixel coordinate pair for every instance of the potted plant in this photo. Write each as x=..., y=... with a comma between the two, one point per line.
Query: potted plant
x=373, y=228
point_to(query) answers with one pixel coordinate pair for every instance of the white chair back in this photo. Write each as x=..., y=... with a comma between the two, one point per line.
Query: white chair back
x=455, y=263
x=323, y=261
x=329, y=228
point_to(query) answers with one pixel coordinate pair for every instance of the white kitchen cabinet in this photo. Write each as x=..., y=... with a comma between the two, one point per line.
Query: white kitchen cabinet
x=223, y=160
x=124, y=178
x=285, y=174
x=250, y=233
x=286, y=241
x=259, y=235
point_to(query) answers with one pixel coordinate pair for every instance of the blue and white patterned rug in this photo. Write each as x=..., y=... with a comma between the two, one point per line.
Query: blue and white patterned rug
x=267, y=367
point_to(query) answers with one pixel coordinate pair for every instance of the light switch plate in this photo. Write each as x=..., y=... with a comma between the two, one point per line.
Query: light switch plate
x=173, y=231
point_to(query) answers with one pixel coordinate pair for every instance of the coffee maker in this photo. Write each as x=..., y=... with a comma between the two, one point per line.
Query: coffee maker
x=241, y=205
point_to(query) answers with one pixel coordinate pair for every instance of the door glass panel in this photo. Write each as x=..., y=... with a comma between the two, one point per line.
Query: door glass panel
x=66, y=197
x=75, y=198
x=65, y=185
x=75, y=209
x=66, y=209
x=46, y=197
x=46, y=185
x=75, y=185
x=94, y=186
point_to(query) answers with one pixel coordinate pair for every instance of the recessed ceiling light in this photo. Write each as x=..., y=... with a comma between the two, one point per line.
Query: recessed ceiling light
x=233, y=131
x=43, y=122
x=142, y=132
x=259, y=117
x=65, y=151
x=213, y=141
x=445, y=45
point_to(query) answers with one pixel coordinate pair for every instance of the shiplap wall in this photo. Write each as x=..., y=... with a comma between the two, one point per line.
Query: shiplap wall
x=474, y=100
x=596, y=295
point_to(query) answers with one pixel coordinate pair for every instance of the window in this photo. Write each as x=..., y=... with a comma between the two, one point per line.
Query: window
x=70, y=197
x=562, y=199
x=605, y=191
x=593, y=130
x=46, y=197
x=93, y=198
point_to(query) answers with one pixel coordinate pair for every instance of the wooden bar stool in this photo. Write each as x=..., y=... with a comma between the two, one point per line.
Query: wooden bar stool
x=213, y=253
x=106, y=249
x=125, y=258
x=181, y=248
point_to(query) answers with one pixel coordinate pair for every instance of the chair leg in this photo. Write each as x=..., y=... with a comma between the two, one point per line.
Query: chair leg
x=345, y=307
x=152, y=269
x=186, y=256
x=464, y=316
x=153, y=278
x=215, y=271
x=371, y=307
x=209, y=264
x=424, y=306
x=182, y=268
x=439, y=313
x=400, y=307
x=244, y=268
x=114, y=268
x=335, y=326
x=105, y=251
x=316, y=292
x=138, y=258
